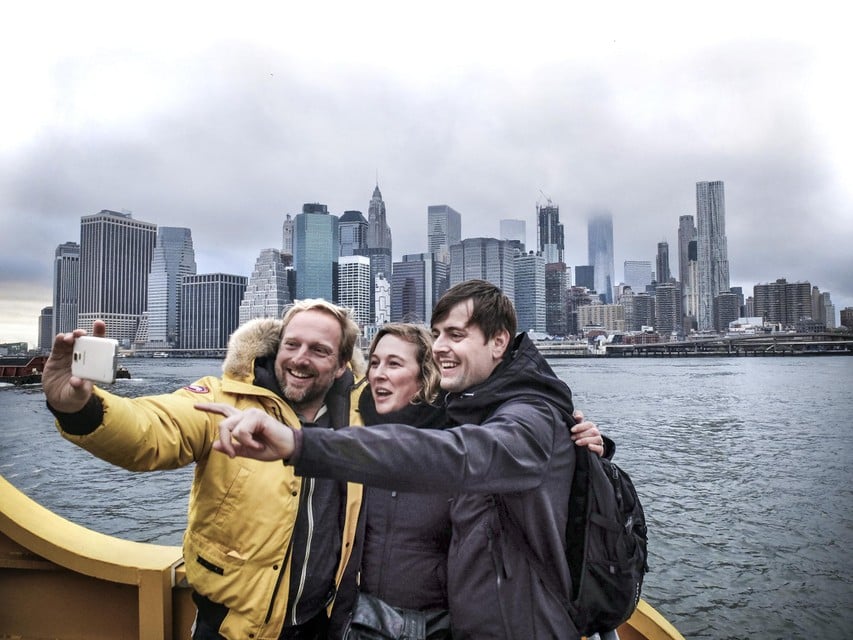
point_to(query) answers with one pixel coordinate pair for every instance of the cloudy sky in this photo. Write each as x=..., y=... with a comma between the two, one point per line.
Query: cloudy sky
x=223, y=120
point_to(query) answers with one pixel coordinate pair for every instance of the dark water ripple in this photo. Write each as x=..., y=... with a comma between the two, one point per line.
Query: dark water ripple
x=743, y=465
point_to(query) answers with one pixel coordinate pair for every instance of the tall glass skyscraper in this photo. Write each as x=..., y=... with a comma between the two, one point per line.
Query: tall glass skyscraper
x=487, y=259
x=315, y=248
x=413, y=287
x=550, y=233
x=352, y=228
x=600, y=238
x=66, y=287
x=173, y=259
x=530, y=300
x=378, y=245
x=686, y=234
x=713, y=266
x=444, y=229
x=115, y=260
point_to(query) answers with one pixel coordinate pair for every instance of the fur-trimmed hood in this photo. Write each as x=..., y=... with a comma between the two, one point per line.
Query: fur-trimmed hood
x=253, y=339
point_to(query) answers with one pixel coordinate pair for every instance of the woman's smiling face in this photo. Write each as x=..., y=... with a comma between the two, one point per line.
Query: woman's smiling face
x=393, y=373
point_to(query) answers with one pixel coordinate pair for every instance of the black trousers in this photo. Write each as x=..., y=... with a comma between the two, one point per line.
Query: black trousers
x=314, y=629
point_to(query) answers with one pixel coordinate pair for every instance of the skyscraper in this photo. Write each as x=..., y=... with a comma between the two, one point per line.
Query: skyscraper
x=287, y=237
x=173, y=259
x=782, y=302
x=210, y=309
x=713, y=264
x=487, y=259
x=638, y=274
x=444, y=229
x=686, y=234
x=352, y=228
x=115, y=259
x=45, y=339
x=267, y=293
x=354, y=287
x=662, y=273
x=413, y=288
x=549, y=232
x=585, y=276
x=557, y=277
x=530, y=299
x=515, y=231
x=66, y=287
x=600, y=237
x=378, y=244
x=315, y=249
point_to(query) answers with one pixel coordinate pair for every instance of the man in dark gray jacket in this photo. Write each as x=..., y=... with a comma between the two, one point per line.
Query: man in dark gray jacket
x=511, y=445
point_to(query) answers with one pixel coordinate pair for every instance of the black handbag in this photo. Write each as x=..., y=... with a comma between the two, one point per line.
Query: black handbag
x=375, y=619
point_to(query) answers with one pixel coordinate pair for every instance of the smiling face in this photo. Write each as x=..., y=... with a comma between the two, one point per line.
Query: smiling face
x=393, y=373
x=461, y=350
x=308, y=360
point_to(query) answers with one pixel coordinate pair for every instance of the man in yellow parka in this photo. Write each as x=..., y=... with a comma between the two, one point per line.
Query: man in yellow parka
x=265, y=550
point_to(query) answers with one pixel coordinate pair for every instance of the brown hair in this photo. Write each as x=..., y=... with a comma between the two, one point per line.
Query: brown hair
x=492, y=310
x=418, y=335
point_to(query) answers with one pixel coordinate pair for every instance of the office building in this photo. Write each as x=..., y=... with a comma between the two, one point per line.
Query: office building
x=713, y=267
x=173, y=259
x=315, y=246
x=352, y=228
x=557, y=279
x=66, y=287
x=381, y=300
x=686, y=235
x=823, y=311
x=354, y=287
x=484, y=259
x=610, y=317
x=210, y=309
x=783, y=303
x=413, y=287
x=847, y=317
x=600, y=237
x=662, y=273
x=549, y=233
x=638, y=274
x=115, y=260
x=726, y=310
x=668, y=310
x=267, y=293
x=287, y=236
x=444, y=229
x=379, y=243
x=530, y=297
x=515, y=232
x=46, y=334
x=585, y=276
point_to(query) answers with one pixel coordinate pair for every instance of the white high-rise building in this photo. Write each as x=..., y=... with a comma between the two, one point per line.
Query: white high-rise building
x=713, y=261
x=267, y=293
x=354, y=286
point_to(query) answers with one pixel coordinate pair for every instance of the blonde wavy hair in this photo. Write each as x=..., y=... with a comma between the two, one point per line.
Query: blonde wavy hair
x=418, y=335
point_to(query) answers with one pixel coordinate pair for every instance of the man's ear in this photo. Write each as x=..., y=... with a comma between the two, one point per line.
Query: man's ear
x=500, y=343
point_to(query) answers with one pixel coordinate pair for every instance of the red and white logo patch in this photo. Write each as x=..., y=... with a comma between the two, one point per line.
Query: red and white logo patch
x=196, y=388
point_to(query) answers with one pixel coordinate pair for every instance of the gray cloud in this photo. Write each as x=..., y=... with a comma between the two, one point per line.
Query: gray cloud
x=252, y=136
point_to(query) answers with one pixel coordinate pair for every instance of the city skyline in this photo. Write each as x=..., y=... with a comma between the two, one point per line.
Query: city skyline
x=233, y=123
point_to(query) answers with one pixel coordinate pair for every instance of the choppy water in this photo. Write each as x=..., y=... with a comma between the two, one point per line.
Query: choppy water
x=743, y=465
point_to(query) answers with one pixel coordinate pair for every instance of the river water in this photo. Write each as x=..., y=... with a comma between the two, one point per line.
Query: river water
x=744, y=467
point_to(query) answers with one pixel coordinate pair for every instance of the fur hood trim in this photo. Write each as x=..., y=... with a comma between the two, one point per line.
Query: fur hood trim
x=253, y=339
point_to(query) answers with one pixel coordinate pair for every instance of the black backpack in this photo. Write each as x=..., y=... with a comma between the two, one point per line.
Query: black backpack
x=605, y=545
x=606, y=539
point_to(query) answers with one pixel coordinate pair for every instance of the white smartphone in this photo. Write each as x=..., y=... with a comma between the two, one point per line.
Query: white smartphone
x=95, y=359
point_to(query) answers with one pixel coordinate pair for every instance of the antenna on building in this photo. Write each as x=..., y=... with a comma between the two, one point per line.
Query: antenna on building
x=547, y=197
